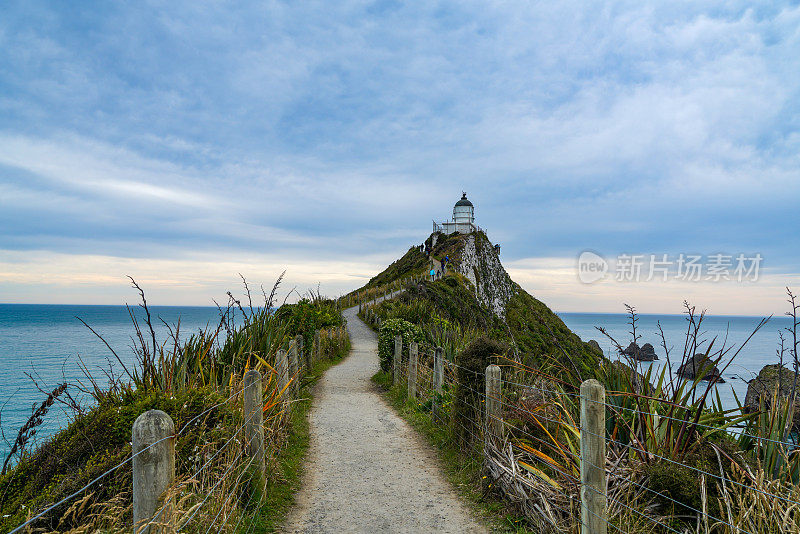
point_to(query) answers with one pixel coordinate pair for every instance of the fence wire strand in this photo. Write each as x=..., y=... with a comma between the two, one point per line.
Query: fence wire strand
x=124, y=462
x=503, y=401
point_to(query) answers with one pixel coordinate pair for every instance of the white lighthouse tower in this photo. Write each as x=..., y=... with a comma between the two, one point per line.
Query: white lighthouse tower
x=463, y=219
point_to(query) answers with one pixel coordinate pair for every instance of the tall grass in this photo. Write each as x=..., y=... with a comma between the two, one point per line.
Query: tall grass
x=199, y=376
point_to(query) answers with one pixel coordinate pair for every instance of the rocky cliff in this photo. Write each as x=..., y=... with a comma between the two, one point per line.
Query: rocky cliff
x=478, y=262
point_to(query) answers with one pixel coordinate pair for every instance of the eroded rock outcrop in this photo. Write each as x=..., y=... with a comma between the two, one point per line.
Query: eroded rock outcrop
x=762, y=388
x=700, y=365
x=645, y=353
x=479, y=263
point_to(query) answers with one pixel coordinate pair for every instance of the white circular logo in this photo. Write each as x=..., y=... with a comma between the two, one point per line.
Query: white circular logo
x=591, y=267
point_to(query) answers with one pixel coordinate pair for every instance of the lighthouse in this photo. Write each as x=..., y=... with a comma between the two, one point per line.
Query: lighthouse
x=463, y=220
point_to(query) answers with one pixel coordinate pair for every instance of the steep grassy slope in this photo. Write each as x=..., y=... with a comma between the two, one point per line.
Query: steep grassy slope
x=413, y=262
x=543, y=337
x=99, y=440
x=477, y=294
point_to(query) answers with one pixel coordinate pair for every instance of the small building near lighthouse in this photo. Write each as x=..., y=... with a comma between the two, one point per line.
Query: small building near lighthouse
x=463, y=220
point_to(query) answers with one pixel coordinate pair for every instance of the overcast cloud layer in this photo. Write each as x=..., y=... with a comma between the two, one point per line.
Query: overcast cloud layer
x=182, y=142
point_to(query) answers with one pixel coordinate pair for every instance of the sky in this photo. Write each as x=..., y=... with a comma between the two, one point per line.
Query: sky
x=183, y=143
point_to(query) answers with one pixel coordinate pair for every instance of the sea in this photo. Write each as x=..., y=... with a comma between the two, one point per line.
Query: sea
x=44, y=345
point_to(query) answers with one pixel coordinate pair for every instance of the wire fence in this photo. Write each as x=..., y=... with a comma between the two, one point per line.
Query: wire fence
x=219, y=484
x=537, y=438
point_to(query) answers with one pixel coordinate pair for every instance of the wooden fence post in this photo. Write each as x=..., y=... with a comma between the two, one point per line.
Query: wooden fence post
x=294, y=367
x=438, y=369
x=328, y=335
x=413, y=360
x=305, y=357
x=154, y=468
x=397, y=359
x=315, y=348
x=438, y=378
x=594, y=518
x=282, y=368
x=253, y=404
x=494, y=421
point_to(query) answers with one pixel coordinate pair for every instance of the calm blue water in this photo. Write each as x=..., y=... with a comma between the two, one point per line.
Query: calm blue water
x=46, y=341
x=758, y=352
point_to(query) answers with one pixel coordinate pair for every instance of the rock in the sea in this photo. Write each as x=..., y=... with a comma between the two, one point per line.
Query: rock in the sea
x=763, y=387
x=632, y=350
x=646, y=353
x=700, y=365
x=595, y=346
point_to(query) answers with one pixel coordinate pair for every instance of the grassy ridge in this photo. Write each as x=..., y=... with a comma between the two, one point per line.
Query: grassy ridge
x=545, y=341
x=411, y=263
x=538, y=335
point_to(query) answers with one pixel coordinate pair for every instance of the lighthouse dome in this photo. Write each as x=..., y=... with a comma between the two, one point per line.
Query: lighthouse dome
x=464, y=201
x=464, y=211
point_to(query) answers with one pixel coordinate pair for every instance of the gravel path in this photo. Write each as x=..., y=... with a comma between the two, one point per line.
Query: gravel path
x=367, y=470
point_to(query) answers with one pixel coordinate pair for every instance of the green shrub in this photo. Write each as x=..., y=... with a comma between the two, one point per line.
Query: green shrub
x=681, y=483
x=391, y=328
x=470, y=381
x=307, y=316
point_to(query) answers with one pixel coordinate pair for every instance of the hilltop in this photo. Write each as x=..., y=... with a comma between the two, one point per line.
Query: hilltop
x=476, y=292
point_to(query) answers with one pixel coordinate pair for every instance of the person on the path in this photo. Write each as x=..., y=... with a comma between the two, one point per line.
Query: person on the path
x=433, y=275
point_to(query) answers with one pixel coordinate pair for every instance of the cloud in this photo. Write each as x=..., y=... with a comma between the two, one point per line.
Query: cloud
x=196, y=279
x=555, y=281
x=335, y=132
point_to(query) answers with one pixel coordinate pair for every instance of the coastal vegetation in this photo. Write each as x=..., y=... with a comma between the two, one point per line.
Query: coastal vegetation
x=677, y=459
x=198, y=383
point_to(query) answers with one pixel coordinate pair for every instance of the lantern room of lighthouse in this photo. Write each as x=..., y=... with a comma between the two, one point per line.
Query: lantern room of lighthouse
x=463, y=219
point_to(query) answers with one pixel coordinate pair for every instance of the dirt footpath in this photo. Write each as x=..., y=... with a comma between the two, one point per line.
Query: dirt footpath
x=367, y=471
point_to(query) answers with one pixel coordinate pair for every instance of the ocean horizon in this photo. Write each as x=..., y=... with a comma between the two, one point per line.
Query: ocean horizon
x=46, y=343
